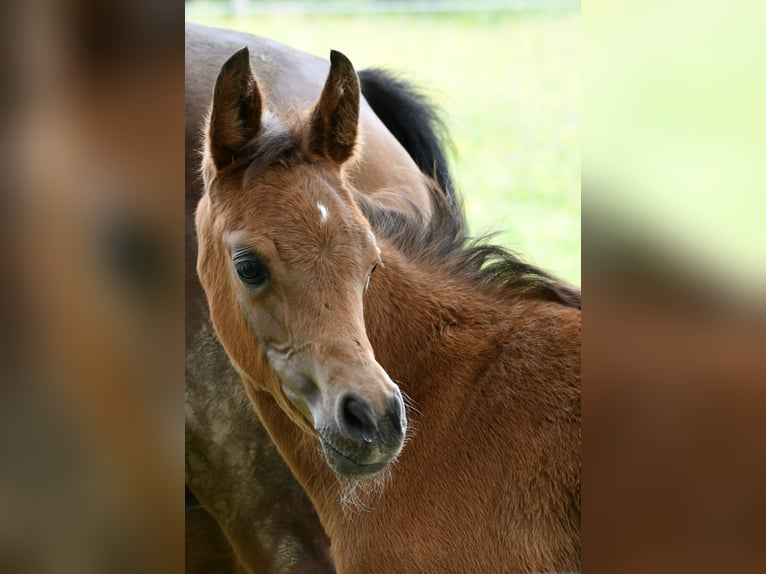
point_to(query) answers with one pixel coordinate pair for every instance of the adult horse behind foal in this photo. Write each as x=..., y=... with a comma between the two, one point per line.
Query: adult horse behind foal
x=231, y=464
x=305, y=277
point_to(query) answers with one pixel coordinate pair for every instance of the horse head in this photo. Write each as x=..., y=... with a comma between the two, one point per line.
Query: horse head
x=285, y=258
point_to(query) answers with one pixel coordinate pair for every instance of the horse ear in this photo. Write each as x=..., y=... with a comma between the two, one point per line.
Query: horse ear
x=335, y=118
x=236, y=111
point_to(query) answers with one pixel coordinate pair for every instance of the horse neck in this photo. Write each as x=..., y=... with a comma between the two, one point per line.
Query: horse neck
x=419, y=319
x=301, y=452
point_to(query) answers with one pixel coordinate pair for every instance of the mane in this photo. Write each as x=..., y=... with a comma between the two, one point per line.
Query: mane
x=413, y=120
x=443, y=241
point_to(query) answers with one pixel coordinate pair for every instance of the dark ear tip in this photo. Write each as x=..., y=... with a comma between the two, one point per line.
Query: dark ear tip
x=240, y=58
x=338, y=58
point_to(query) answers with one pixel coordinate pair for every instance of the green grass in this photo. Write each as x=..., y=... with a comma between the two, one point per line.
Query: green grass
x=509, y=86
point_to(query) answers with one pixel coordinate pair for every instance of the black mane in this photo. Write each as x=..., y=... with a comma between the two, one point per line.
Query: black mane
x=443, y=240
x=412, y=119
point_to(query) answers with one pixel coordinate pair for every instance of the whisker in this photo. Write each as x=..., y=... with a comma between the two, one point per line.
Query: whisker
x=358, y=496
x=409, y=402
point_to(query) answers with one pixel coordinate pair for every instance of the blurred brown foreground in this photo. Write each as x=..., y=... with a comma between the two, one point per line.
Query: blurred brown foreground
x=91, y=398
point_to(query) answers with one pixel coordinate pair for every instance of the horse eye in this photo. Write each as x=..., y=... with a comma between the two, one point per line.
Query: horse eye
x=252, y=271
x=369, y=275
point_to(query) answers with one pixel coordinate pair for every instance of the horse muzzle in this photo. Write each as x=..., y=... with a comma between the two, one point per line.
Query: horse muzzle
x=360, y=440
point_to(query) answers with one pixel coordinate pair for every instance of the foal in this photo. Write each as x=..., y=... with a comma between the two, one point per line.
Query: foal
x=486, y=348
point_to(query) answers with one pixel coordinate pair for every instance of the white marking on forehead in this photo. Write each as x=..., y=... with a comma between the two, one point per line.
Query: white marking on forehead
x=322, y=212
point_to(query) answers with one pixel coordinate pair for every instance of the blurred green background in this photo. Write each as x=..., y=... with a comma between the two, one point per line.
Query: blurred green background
x=507, y=77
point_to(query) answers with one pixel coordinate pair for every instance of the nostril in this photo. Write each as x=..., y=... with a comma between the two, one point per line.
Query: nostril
x=356, y=420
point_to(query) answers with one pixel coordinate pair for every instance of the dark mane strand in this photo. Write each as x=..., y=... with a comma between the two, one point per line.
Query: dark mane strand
x=444, y=241
x=413, y=120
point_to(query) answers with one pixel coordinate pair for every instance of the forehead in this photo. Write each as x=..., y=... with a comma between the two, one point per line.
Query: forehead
x=302, y=210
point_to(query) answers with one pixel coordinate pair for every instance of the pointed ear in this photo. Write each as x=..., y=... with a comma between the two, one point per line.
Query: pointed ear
x=335, y=118
x=236, y=111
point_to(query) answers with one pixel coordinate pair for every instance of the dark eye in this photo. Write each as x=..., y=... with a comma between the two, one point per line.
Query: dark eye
x=369, y=275
x=252, y=270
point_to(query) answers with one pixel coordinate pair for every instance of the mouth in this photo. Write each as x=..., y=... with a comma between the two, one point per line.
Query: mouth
x=346, y=466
